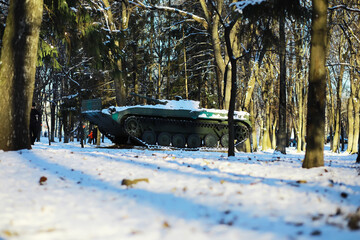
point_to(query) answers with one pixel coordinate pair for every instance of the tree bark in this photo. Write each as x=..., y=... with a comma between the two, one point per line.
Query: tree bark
x=281, y=143
x=231, y=150
x=17, y=72
x=314, y=155
x=253, y=124
x=299, y=88
x=336, y=139
x=267, y=93
x=251, y=86
x=356, y=98
x=331, y=110
x=53, y=108
x=266, y=142
x=355, y=146
x=350, y=122
x=273, y=132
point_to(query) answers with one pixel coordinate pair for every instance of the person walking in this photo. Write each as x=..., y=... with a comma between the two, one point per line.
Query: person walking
x=34, y=122
x=91, y=137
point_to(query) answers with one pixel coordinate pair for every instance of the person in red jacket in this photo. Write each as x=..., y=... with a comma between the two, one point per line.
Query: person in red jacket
x=91, y=136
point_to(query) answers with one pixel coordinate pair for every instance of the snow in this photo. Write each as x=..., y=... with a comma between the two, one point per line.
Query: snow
x=241, y=5
x=170, y=105
x=73, y=9
x=187, y=195
x=189, y=105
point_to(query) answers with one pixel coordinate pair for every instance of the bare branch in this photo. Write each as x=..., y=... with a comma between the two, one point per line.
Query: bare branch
x=345, y=8
x=351, y=32
x=198, y=19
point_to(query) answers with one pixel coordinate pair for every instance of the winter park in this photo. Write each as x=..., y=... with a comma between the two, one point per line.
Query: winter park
x=179, y=119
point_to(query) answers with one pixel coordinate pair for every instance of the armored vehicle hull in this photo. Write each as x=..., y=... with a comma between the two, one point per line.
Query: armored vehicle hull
x=179, y=124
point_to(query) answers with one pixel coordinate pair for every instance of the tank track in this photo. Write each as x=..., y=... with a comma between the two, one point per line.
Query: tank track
x=182, y=123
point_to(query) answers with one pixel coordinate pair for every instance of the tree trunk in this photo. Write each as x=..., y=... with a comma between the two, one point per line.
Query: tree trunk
x=267, y=93
x=17, y=72
x=119, y=80
x=251, y=86
x=314, y=155
x=342, y=133
x=336, y=139
x=253, y=129
x=134, y=74
x=71, y=128
x=273, y=132
x=52, y=121
x=185, y=69
x=290, y=126
x=98, y=136
x=303, y=133
x=350, y=113
x=281, y=143
x=233, y=87
x=219, y=61
x=65, y=124
x=355, y=92
x=300, y=125
x=299, y=90
x=355, y=146
x=266, y=143
x=331, y=110
x=261, y=132
x=220, y=56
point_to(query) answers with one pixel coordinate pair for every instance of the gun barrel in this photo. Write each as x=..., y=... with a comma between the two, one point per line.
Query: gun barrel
x=157, y=101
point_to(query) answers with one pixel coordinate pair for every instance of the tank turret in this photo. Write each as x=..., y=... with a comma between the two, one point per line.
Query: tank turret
x=171, y=123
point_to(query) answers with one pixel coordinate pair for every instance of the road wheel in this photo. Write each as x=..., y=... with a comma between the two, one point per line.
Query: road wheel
x=194, y=141
x=132, y=127
x=211, y=140
x=149, y=137
x=178, y=140
x=225, y=140
x=164, y=139
x=241, y=134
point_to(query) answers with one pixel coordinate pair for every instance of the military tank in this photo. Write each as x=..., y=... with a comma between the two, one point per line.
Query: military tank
x=169, y=123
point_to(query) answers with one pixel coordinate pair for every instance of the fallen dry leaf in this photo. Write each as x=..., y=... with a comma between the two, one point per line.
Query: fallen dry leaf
x=42, y=180
x=10, y=233
x=130, y=183
x=354, y=220
x=166, y=224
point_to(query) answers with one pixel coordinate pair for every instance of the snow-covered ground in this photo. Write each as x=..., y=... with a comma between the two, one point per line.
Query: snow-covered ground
x=64, y=191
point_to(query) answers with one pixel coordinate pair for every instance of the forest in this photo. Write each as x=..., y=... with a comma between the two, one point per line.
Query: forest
x=253, y=56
